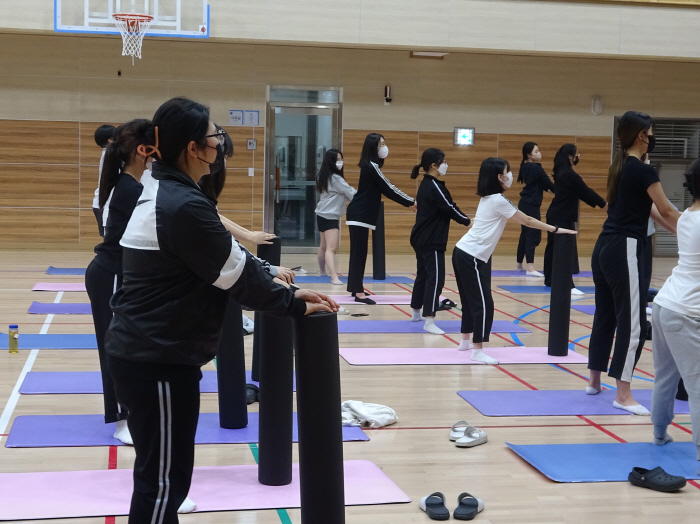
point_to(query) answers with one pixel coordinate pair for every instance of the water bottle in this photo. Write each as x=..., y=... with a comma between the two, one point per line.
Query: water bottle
x=14, y=338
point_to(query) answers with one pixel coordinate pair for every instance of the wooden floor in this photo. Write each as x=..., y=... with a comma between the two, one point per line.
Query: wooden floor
x=415, y=452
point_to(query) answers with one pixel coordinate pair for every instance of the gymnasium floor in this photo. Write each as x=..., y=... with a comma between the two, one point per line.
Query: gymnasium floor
x=415, y=453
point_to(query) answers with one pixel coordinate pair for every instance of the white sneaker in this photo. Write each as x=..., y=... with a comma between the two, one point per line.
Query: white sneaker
x=248, y=325
x=534, y=274
x=576, y=291
x=187, y=506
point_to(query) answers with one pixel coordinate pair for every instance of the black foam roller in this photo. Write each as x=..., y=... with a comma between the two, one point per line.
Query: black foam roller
x=379, y=247
x=230, y=370
x=273, y=254
x=560, y=309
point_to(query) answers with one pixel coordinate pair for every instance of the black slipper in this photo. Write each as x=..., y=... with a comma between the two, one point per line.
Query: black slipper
x=446, y=305
x=656, y=479
x=468, y=507
x=251, y=393
x=434, y=506
x=367, y=300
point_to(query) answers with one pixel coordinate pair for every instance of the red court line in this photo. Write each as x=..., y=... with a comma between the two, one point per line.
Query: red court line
x=111, y=464
x=601, y=428
x=387, y=428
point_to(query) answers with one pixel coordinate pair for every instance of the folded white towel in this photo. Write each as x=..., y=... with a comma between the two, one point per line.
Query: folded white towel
x=356, y=413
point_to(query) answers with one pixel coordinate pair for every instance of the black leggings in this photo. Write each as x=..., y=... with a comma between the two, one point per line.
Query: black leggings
x=359, y=236
x=430, y=279
x=474, y=284
x=530, y=238
x=101, y=285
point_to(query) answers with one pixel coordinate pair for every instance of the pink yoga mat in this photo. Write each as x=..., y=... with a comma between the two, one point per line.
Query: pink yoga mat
x=436, y=356
x=60, y=286
x=379, y=299
x=75, y=494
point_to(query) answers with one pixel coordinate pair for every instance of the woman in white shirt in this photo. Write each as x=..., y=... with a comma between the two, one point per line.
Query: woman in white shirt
x=676, y=324
x=471, y=257
x=335, y=191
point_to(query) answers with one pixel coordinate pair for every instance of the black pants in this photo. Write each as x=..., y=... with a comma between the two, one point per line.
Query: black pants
x=162, y=421
x=101, y=285
x=474, y=284
x=648, y=255
x=549, y=252
x=98, y=217
x=618, y=274
x=530, y=238
x=430, y=279
x=359, y=236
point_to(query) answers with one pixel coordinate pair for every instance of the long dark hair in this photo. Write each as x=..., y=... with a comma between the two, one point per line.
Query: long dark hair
x=128, y=138
x=692, y=180
x=179, y=122
x=104, y=134
x=488, y=183
x=370, y=150
x=429, y=157
x=628, y=129
x=213, y=184
x=561, y=159
x=527, y=150
x=328, y=168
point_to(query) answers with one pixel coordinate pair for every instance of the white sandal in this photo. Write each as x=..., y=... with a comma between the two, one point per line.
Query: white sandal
x=457, y=430
x=472, y=437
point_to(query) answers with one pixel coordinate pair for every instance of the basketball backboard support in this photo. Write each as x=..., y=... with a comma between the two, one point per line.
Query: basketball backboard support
x=171, y=18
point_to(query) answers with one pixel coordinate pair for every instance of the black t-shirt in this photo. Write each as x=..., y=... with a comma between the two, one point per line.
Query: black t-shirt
x=629, y=214
x=536, y=182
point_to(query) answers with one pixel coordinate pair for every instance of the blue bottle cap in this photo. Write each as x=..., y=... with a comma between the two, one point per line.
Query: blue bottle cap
x=14, y=327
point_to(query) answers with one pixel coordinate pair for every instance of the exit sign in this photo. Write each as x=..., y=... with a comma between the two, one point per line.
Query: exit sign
x=464, y=136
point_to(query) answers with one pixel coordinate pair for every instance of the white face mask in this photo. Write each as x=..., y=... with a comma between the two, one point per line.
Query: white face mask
x=149, y=165
x=339, y=165
x=509, y=179
x=383, y=152
x=442, y=169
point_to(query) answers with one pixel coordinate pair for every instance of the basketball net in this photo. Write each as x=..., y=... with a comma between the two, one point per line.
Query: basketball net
x=132, y=27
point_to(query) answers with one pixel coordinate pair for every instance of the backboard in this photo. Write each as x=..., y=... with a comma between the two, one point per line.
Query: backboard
x=171, y=18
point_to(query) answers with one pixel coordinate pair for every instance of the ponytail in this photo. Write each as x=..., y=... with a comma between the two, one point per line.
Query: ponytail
x=111, y=168
x=430, y=156
x=527, y=151
x=628, y=128
x=618, y=161
x=415, y=172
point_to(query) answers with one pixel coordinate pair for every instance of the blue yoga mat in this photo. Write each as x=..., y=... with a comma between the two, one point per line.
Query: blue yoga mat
x=80, y=271
x=406, y=326
x=56, y=431
x=316, y=279
x=52, y=341
x=570, y=402
x=543, y=290
x=51, y=308
x=608, y=462
x=588, y=309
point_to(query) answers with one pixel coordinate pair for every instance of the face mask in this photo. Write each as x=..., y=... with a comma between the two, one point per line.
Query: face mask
x=509, y=179
x=575, y=162
x=339, y=165
x=442, y=169
x=383, y=152
x=652, y=143
x=218, y=163
x=149, y=165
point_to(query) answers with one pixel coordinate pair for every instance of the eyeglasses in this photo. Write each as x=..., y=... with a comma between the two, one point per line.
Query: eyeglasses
x=219, y=137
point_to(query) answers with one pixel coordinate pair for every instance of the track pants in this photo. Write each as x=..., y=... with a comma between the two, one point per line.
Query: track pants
x=549, y=252
x=101, y=285
x=618, y=269
x=162, y=421
x=430, y=279
x=530, y=238
x=359, y=236
x=474, y=284
x=648, y=254
x=676, y=356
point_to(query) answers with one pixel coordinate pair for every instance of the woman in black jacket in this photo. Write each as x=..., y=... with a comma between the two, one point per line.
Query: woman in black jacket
x=362, y=212
x=569, y=188
x=429, y=236
x=536, y=183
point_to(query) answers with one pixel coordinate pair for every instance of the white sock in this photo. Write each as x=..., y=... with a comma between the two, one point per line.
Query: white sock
x=533, y=274
x=417, y=317
x=122, y=433
x=592, y=391
x=661, y=441
x=430, y=327
x=480, y=356
x=187, y=506
x=637, y=409
x=465, y=345
x=576, y=291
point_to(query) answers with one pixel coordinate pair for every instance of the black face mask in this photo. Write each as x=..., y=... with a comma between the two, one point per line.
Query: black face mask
x=651, y=143
x=575, y=162
x=218, y=164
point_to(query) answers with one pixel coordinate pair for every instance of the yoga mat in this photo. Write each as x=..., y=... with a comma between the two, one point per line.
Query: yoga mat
x=514, y=273
x=379, y=299
x=57, y=431
x=543, y=290
x=608, y=462
x=436, y=356
x=316, y=279
x=526, y=403
x=52, y=341
x=59, y=286
x=97, y=493
x=406, y=326
x=80, y=271
x=588, y=309
x=43, y=308
x=90, y=382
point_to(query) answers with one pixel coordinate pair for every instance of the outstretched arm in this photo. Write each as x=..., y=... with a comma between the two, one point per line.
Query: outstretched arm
x=528, y=221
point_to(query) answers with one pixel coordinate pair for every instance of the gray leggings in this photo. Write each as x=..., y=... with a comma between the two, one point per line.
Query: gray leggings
x=676, y=354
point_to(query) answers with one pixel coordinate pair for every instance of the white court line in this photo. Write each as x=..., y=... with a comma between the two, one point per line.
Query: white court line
x=14, y=396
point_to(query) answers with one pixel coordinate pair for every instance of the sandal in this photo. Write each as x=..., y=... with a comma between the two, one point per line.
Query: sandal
x=446, y=304
x=472, y=437
x=468, y=507
x=457, y=430
x=656, y=479
x=434, y=506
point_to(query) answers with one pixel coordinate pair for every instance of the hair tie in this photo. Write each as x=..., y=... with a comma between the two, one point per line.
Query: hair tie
x=148, y=150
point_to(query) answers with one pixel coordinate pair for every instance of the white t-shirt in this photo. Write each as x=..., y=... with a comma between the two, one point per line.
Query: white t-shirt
x=96, y=198
x=487, y=226
x=145, y=177
x=681, y=292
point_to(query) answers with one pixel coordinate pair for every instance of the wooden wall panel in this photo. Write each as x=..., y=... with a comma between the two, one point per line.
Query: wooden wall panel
x=38, y=142
x=38, y=225
x=37, y=185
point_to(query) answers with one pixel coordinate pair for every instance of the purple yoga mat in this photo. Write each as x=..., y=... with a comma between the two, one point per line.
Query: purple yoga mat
x=526, y=403
x=513, y=273
x=436, y=356
x=60, y=286
x=90, y=382
x=406, y=326
x=588, y=309
x=75, y=494
x=57, y=431
x=42, y=308
x=379, y=299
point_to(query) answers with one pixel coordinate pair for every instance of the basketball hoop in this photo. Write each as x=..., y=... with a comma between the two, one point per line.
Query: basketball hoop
x=132, y=28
